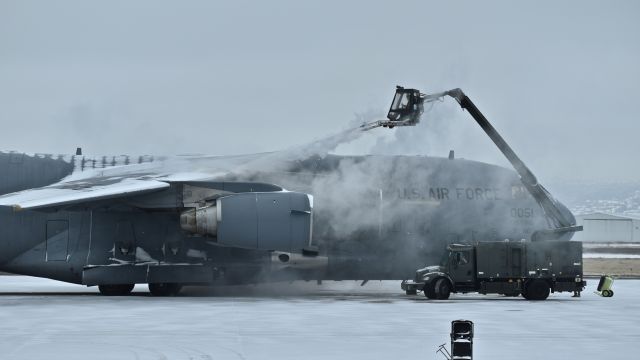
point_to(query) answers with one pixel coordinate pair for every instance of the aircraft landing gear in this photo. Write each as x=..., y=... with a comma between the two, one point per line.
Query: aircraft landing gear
x=115, y=289
x=164, y=289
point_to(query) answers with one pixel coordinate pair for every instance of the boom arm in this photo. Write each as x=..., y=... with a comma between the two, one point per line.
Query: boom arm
x=563, y=222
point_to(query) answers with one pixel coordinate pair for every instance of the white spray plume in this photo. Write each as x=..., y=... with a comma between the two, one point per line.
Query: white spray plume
x=279, y=160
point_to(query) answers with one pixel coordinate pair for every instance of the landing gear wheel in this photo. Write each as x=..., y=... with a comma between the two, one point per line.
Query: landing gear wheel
x=607, y=293
x=610, y=293
x=536, y=290
x=164, y=289
x=115, y=289
x=442, y=289
x=429, y=291
x=411, y=291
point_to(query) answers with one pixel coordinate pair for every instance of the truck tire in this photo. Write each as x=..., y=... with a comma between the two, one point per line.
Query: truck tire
x=429, y=290
x=536, y=290
x=442, y=289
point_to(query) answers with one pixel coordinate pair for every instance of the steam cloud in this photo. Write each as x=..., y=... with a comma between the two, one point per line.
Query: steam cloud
x=395, y=204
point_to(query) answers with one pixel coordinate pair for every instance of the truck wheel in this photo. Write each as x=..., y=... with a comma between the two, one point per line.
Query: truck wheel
x=443, y=289
x=537, y=290
x=429, y=291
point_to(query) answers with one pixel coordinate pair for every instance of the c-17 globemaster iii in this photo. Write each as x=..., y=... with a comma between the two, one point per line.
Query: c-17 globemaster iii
x=116, y=221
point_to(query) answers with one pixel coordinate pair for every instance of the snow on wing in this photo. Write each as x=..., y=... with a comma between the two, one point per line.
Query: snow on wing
x=74, y=192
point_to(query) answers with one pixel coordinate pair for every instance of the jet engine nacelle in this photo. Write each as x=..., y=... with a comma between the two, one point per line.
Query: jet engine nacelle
x=279, y=221
x=203, y=221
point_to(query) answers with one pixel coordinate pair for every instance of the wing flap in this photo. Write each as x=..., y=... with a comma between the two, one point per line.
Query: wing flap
x=79, y=192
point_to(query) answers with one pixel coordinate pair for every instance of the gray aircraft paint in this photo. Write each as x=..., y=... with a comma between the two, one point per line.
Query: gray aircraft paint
x=375, y=217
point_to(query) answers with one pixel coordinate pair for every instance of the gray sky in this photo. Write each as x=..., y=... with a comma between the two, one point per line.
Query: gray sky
x=559, y=80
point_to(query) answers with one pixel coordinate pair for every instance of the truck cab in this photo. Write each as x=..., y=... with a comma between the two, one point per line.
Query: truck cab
x=457, y=266
x=461, y=264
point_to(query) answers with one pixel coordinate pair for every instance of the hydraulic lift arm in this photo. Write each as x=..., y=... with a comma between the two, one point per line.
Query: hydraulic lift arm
x=562, y=219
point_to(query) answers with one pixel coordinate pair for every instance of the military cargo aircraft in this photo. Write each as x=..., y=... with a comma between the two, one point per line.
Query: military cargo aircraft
x=116, y=221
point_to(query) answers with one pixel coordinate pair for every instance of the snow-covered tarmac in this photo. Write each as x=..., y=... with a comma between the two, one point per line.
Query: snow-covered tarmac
x=43, y=319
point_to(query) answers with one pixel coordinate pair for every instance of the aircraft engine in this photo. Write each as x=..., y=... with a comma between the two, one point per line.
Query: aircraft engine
x=203, y=221
x=278, y=221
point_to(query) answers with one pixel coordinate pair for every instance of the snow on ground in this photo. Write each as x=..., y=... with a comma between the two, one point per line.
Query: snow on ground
x=610, y=256
x=43, y=319
x=587, y=245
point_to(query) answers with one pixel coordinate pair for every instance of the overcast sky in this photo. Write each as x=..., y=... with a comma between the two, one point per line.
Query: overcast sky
x=560, y=81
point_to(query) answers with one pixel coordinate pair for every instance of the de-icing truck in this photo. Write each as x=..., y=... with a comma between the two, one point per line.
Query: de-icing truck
x=547, y=262
x=533, y=269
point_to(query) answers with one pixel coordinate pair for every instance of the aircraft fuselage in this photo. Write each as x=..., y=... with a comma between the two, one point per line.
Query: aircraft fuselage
x=374, y=217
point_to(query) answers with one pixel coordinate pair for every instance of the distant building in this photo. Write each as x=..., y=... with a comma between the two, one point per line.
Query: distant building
x=601, y=227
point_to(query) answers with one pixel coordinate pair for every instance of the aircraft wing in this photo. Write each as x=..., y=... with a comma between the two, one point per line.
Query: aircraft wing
x=74, y=192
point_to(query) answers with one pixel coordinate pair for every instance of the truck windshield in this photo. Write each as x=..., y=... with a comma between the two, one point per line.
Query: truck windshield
x=445, y=259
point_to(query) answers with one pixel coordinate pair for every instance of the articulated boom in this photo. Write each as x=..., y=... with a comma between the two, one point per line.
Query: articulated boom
x=406, y=109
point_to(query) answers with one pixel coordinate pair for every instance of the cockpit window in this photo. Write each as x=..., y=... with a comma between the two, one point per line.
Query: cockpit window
x=396, y=101
x=404, y=103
